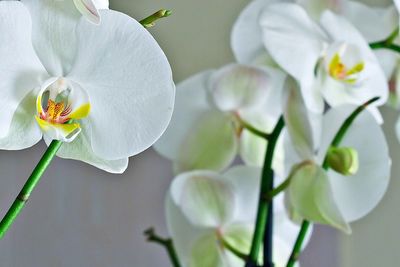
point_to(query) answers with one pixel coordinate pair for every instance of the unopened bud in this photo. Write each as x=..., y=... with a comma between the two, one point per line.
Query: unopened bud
x=343, y=160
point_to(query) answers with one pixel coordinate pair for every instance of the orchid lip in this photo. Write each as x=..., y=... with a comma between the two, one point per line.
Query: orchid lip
x=344, y=63
x=59, y=103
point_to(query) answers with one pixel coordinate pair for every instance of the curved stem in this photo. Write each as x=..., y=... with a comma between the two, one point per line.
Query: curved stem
x=30, y=184
x=335, y=142
x=262, y=222
x=165, y=242
x=251, y=128
x=233, y=250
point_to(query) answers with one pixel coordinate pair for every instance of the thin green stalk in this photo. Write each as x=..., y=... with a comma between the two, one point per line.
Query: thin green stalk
x=30, y=184
x=166, y=243
x=335, y=142
x=233, y=250
x=252, y=129
x=294, y=257
x=277, y=190
x=388, y=42
x=150, y=20
x=263, y=206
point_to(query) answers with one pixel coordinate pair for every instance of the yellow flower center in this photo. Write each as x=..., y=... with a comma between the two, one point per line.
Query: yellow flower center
x=339, y=71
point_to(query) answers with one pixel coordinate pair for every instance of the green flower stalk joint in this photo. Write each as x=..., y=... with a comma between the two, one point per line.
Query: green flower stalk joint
x=151, y=20
x=343, y=160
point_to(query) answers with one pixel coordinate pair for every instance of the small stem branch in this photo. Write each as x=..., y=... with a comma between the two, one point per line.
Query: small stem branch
x=262, y=222
x=252, y=129
x=150, y=20
x=388, y=42
x=335, y=142
x=30, y=184
x=166, y=243
x=277, y=190
x=233, y=250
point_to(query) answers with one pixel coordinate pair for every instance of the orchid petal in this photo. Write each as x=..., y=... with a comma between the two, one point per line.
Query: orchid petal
x=239, y=236
x=297, y=122
x=238, y=86
x=204, y=198
x=357, y=195
x=316, y=7
x=20, y=70
x=246, y=185
x=211, y=144
x=311, y=196
x=131, y=107
x=374, y=84
x=24, y=131
x=81, y=149
x=206, y=252
x=183, y=233
x=296, y=43
x=246, y=41
x=53, y=33
x=374, y=23
x=88, y=10
x=252, y=148
x=190, y=105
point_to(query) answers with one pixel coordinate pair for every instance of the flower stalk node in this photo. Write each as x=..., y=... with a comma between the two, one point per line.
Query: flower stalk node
x=150, y=20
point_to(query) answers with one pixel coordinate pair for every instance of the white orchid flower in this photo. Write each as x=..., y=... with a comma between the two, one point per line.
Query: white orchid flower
x=331, y=61
x=205, y=131
x=90, y=9
x=107, y=90
x=359, y=170
x=207, y=213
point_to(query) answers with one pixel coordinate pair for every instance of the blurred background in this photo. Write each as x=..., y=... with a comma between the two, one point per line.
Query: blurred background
x=81, y=216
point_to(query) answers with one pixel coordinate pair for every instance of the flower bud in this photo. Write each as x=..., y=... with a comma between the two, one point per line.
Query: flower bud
x=343, y=160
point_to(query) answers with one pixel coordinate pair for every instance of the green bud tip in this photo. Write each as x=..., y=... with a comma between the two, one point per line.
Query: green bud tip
x=164, y=13
x=343, y=160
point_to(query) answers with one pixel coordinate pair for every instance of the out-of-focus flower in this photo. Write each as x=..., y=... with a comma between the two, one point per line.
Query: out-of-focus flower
x=111, y=83
x=90, y=8
x=359, y=168
x=207, y=213
x=206, y=130
x=331, y=61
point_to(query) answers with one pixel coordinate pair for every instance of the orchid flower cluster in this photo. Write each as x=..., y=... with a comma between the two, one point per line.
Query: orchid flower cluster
x=287, y=136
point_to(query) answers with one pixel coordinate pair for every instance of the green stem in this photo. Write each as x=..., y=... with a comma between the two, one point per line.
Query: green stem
x=335, y=142
x=252, y=129
x=263, y=206
x=166, y=243
x=233, y=250
x=388, y=42
x=294, y=257
x=150, y=20
x=273, y=193
x=30, y=184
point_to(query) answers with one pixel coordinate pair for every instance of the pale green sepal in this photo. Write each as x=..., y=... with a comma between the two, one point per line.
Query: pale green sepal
x=311, y=196
x=205, y=199
x=212, y=144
